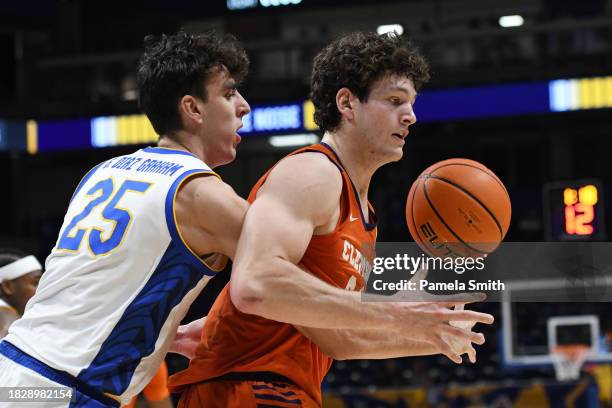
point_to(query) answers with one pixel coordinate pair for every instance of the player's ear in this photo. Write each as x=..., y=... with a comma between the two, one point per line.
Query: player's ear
x=190, y=110
x=7, y=288
x=344, y=98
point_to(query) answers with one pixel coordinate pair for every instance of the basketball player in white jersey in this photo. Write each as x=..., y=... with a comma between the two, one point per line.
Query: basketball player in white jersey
x=129, y=259
x=19, y=276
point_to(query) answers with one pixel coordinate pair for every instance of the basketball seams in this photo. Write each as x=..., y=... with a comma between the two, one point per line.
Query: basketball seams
x=414, y=224
x=483, y=169
x=458, y=187
x=444, y=222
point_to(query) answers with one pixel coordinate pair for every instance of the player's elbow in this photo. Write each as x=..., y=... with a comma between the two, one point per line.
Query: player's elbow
x=247, y=295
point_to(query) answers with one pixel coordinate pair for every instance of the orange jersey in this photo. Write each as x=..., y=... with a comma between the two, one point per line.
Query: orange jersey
x=234, y=342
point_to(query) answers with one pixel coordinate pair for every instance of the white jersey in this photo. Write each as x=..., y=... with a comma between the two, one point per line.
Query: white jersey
x=119, y=279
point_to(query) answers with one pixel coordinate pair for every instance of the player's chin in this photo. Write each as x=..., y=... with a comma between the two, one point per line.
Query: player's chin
x=395, y=154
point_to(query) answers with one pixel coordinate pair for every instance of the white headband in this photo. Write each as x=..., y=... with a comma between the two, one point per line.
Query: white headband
x=19, y=268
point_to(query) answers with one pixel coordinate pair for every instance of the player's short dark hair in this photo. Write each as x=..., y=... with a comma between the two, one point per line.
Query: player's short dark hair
x=10, y=255
x=356, y=61
x=176, y=65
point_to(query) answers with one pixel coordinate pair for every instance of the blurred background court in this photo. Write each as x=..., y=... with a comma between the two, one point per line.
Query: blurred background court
x=522, y=86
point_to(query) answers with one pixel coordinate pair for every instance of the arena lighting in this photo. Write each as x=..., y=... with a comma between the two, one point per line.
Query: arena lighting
x=511, y=21
x=486, y=101
x=301, y=139
x=389, y=28
x=240, y=4
x=275, y=3
x=121, y=130
x=580, y=93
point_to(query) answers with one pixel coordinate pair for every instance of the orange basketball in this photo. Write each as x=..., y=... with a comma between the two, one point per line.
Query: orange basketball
x=458, y=207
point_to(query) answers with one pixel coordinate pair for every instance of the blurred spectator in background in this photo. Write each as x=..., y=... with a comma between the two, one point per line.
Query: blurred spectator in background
x=19, y=276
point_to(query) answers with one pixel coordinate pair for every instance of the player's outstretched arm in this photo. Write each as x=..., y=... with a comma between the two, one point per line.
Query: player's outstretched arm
x=353, y=344
x=300, y=195
x=375, y=344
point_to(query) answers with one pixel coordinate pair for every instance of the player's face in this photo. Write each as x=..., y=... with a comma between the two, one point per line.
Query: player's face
x=223, y=112
x=383, y=120
x=23, y=289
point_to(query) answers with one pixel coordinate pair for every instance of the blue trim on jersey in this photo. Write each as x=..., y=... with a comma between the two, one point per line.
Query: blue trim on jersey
x=135, y=334
x=86, y=396
x=170, y=222
x=163, y=150
x=86, y=177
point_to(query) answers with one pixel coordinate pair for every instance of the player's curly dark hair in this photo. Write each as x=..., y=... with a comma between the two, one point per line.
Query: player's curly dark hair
x=176, y=65
x=356, y=61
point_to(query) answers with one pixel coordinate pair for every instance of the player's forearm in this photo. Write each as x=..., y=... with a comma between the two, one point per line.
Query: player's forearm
x=390, y=346
x=278, y=290
x=367, y=344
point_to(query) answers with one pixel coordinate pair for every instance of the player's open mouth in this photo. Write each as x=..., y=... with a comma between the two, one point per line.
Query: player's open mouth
x=400, y=137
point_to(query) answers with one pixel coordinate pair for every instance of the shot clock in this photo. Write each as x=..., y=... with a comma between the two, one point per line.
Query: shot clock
x=574, y=211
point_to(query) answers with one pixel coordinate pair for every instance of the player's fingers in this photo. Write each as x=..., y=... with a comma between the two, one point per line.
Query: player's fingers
x=472, y=354
x=467, y=315
x=464, y=335
x=448, y=351
x=461, y=324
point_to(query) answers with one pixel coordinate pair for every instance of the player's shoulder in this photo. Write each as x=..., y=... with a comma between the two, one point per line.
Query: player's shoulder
x=307, y=181
x=308, y=170
x=205, y=187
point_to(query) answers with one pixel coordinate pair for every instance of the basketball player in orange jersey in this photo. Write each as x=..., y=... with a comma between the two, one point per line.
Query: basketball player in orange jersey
x=311, y=210
x=19, y=276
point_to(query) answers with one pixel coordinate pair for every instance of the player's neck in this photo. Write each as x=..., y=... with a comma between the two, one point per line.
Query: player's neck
x=180, y=141
x=357, y=165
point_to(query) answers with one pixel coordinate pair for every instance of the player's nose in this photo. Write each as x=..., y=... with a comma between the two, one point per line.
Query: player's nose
x=243, y=106
x=408, y=117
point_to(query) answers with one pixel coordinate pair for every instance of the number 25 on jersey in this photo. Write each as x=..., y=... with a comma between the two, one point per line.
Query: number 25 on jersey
x=71, y=239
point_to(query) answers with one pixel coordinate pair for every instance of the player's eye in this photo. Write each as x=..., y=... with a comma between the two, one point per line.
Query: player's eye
x=230, y=93
x=395, y=100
